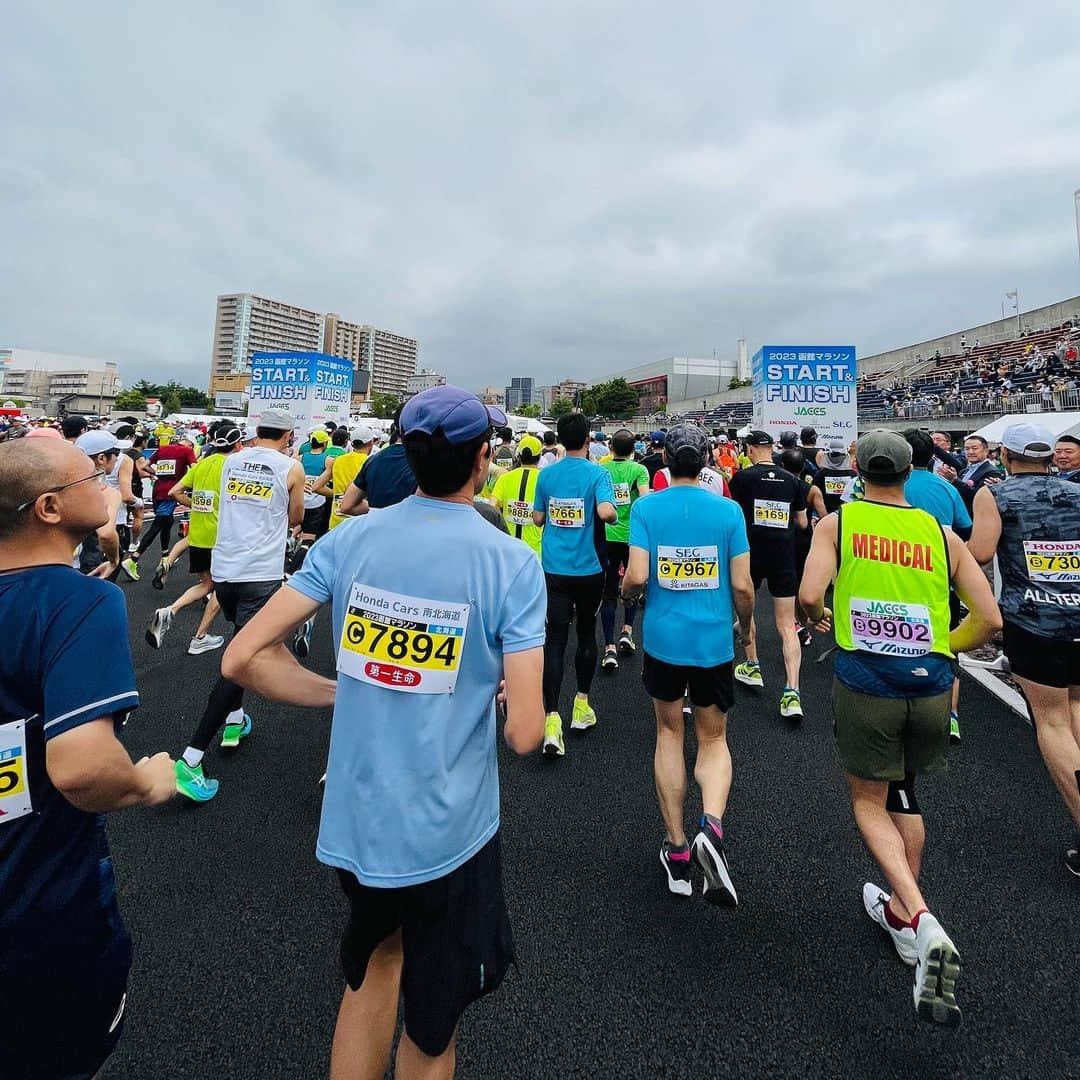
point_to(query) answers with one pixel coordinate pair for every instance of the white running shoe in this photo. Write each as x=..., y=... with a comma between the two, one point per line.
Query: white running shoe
x=937, y=972
x=159, y=627
x=708, y=852
x=207, y=643
x=874, y=900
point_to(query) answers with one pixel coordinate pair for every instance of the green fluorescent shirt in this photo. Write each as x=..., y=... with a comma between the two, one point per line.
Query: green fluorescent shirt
x=203, y=481
x=625, y=477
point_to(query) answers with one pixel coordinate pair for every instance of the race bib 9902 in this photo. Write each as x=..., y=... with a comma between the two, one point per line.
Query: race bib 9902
x=202, y=502
x=684, y=568
x=567, y=513
x=890, y=627
x=1053, y=560
x=402, y=642
x=771, y=513
x=14, y=786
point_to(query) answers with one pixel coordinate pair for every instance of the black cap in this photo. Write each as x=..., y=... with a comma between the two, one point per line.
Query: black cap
x=74, y=425
x=807, y=435
x=787, y=438
x=759, y=438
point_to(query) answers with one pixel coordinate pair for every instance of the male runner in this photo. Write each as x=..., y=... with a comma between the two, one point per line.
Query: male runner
x=410, y=816
x=342, y=470
x=892, y=564
x=504, y=447
x=654, y=459
x=261, y=496
x=572, y=496
x=629, y=481
x=1032, y=523
x=515, y=491
x=66, y=684
x=831, y=478
x=598, y=447
x=384, y=479
x=551, y=450
x=99, y=552
x=316, y=512
x=774, y=505
x=692, y=548
x=200, y=489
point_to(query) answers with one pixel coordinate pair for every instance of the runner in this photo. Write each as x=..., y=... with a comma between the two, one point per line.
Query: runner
x=941, y=501
x=629, y=481
x=120, y=477
x=261, y=495
x=892, y=566
x=316, y=511
x=693, y=549
x=100, y=551
x=200, y=490
x=1032, y=523
x=654, y=459
x=66, y=684
x=504, y=448
x=774, y=505
x=551, y=450
x=827, y=489
x=572, y=496
x=515, y=491
x=342, y=470
x=794, y=462
x=73, y=426
x=384, y=479
x=598, y=448
x=410, y=816
x=169, y=463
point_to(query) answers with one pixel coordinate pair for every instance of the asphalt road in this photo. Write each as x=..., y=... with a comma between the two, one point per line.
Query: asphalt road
x=236, y=925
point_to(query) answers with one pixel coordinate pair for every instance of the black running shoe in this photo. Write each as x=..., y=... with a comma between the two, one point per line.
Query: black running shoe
x=709, y=854
x=302, y=641
x=160, y=574
x=626, y=643
x=676, y=864
x=610, y=661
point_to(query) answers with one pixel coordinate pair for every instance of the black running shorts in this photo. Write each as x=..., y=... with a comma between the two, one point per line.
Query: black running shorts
x=199, y=560
x=455, y=935
x=1046, y=661
x=241, y=601
x=778, y=569
x=707, y=686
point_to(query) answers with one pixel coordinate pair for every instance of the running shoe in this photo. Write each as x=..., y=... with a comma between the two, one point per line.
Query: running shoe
x=626, y=643
x=1072, y=861
x=954, y=728
x=131, y=568
x=161, y=573
x=676, y=864
x=790, y=703
x=553, y=740
x=193, y=784
x=584, y=717
x=937, y=971
x=159, y=627
x=874, y=900
x=749, y=674
x=234, y=733
x=709, y=854
x=806, y=635
x=302, y=641
x=206, y=643
x=610, y=661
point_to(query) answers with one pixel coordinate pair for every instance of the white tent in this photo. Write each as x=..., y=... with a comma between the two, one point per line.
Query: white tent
x=522, y=424
x=1057, y=423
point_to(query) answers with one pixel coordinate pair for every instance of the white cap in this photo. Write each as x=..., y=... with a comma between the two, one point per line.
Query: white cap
x=363, y=433
x=1031, y=440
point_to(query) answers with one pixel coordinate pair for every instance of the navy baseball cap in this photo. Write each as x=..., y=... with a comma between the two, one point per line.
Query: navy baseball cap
x=461, y=414
x=657, y=438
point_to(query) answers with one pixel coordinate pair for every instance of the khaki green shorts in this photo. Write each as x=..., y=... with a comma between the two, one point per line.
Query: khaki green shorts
x=884, y=738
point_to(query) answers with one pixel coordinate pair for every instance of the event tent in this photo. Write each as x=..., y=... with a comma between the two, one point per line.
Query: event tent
x=1057, y=423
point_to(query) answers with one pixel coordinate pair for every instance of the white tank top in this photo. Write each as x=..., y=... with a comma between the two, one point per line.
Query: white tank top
x=253, y=516
x=113, y=480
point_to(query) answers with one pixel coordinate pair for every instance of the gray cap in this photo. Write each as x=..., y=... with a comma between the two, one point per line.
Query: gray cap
x=835, y=451
x=883, y=454
x=277, y=420
x=1031, y=440
x=686, y=439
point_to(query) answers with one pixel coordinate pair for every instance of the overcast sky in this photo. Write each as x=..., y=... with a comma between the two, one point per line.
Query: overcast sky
x=557, y=189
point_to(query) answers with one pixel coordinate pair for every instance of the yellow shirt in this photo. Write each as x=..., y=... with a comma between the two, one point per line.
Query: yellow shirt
x=513, y=494
x=346, y=470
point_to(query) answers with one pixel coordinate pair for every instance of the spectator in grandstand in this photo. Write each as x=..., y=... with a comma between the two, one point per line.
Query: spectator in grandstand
x=1067, y=458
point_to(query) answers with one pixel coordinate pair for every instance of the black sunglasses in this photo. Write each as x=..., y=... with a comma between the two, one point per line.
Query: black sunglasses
x=56, y=490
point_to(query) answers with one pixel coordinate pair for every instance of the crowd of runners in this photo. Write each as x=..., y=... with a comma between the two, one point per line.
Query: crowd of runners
x=892, y=549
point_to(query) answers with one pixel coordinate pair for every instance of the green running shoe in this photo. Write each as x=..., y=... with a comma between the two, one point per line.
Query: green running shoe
x=954, y=728
x=233, y=733
x=131, y=568
x=790, y=703
x=749, y=674
x=193, y=784
x=553, y=740
x=584, y=717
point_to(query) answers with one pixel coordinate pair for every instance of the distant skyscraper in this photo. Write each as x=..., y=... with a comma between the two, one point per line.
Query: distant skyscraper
x=518, y=393
x=246, y=324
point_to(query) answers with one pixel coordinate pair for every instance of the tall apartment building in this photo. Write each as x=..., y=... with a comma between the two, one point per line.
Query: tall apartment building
x=55, y=382
x=391, y=359
x=518, y=393
x=246, y=324
x=567, y=390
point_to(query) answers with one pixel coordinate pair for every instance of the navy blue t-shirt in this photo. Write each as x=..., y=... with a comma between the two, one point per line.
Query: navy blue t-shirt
x=65, y=662
x=386, y=477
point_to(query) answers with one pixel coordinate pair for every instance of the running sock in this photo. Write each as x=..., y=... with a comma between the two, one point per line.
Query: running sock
x=235, y=717
x=679, y=854
x=894, y=920
x=713, y=823
x=192, y=757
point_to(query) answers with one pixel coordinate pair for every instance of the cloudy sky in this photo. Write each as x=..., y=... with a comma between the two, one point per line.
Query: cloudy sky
x=558, y=189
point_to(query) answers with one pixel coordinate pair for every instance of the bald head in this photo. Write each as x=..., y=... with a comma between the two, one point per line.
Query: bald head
x=27, y=468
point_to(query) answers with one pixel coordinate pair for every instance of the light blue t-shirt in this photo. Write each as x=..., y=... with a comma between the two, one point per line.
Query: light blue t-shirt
x=412, y=788
x=938, y=498
x=688, y=625
x=569, y=492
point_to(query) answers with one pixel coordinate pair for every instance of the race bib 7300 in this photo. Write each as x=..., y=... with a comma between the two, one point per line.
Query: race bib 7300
x=1053, y=560
x=402, y=642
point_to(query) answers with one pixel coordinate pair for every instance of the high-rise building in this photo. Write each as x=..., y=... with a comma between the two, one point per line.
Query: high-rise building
x=246, y=323
x=567, y=390
x=55, y=382
x=391, y=359
x=518, y=393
